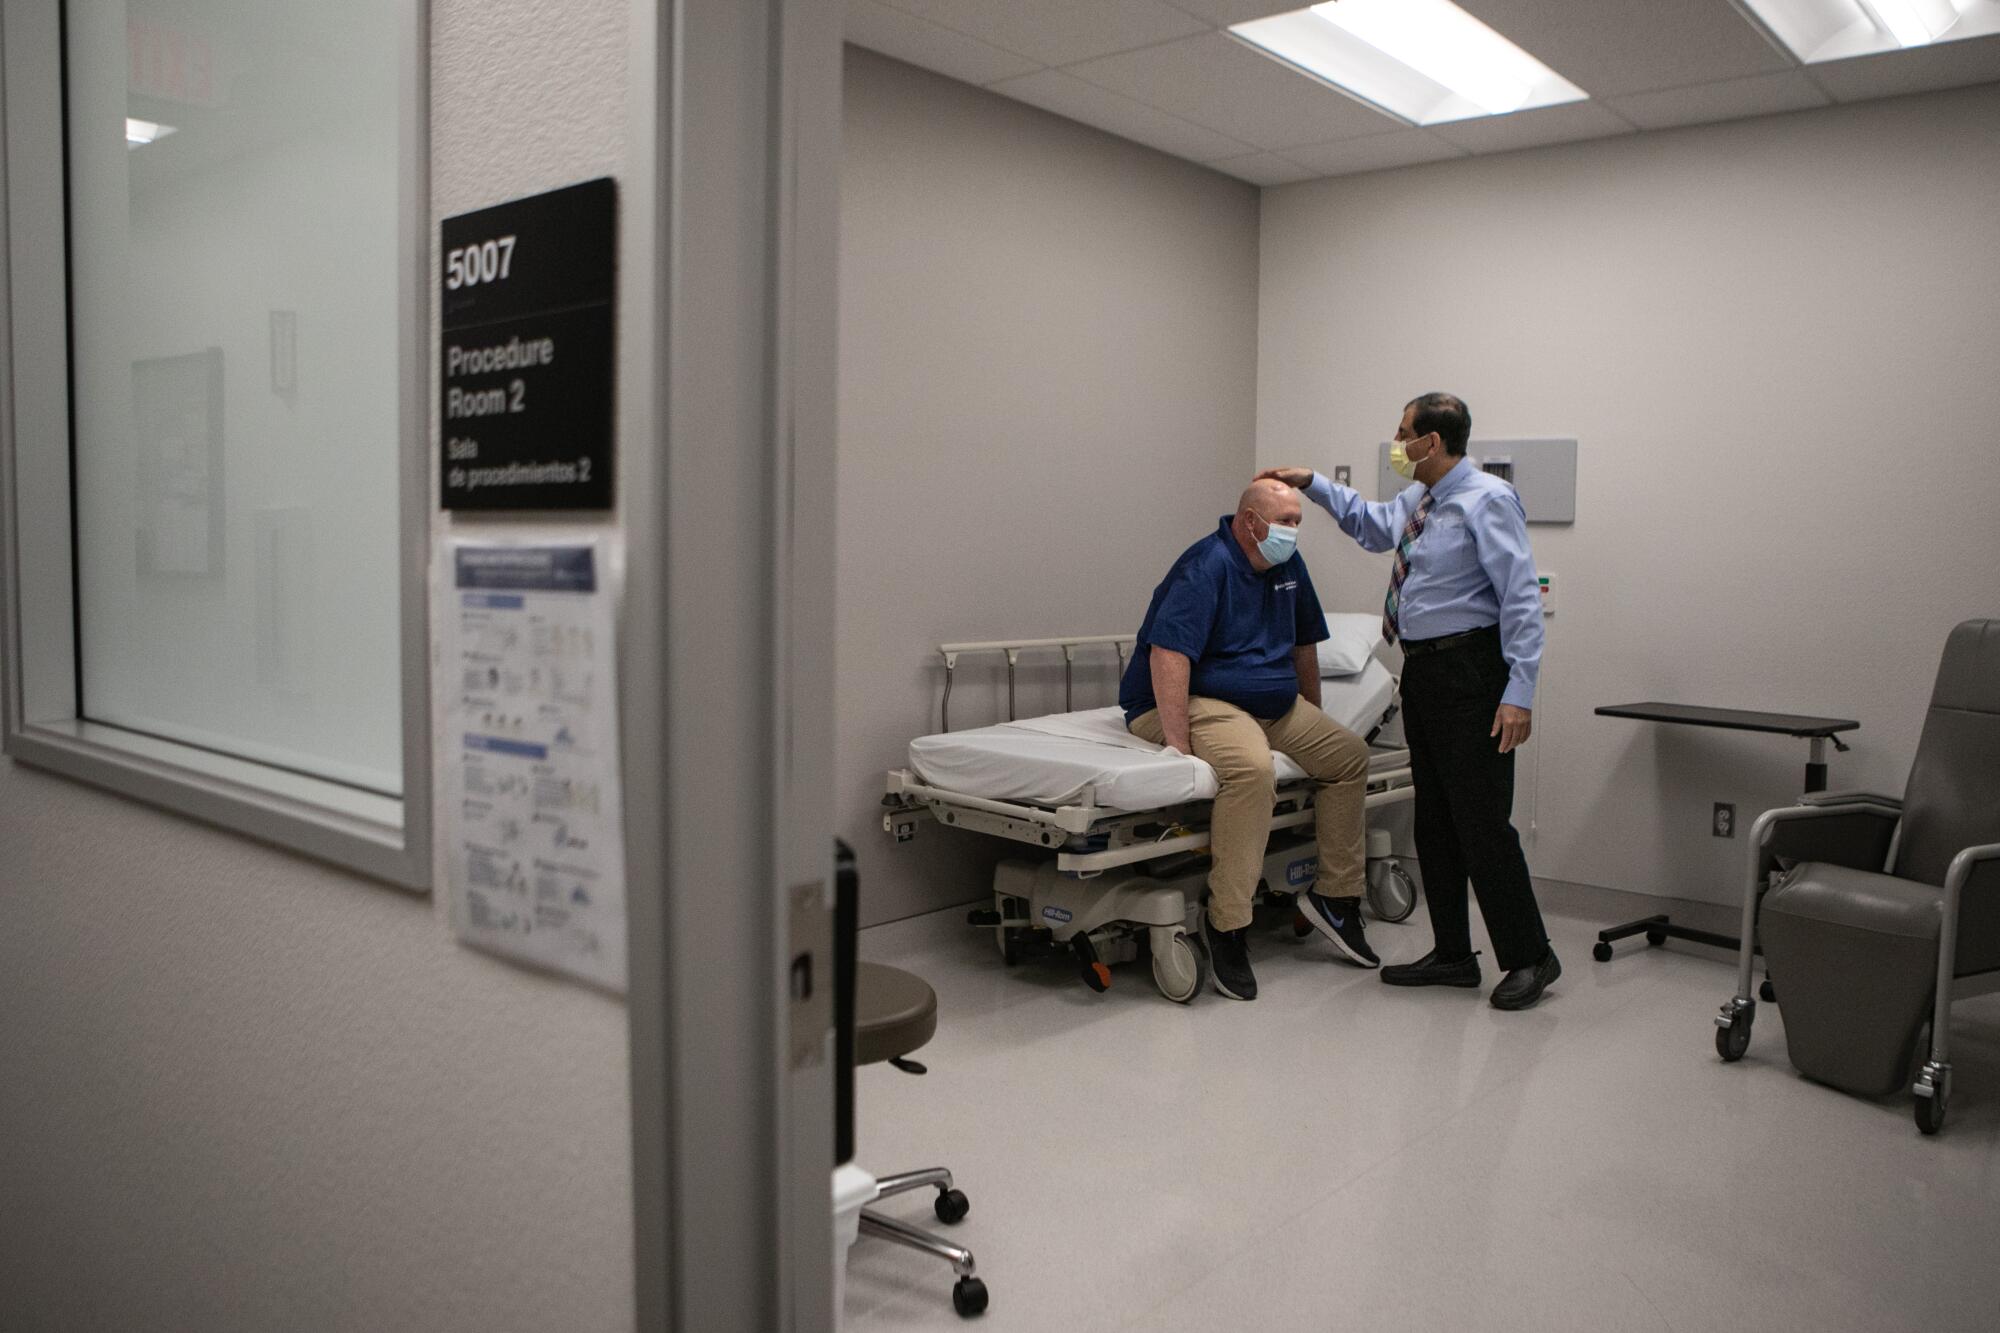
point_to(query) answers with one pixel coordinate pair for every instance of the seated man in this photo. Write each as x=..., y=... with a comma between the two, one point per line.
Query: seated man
x=1226, y=670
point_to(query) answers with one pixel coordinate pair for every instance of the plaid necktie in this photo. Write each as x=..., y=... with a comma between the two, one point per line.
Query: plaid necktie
x=1411, y=531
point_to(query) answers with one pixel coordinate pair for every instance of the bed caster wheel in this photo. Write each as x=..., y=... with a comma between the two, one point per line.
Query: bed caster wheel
x=1180, y=970
x=951, y=1207
x=1654, y=939
x=1601, y=952
x=1930, y=1113
x=1391, y=892
x=1767, y=992
x=968, y=1297
x=1300, y=926
x=1732, y=1041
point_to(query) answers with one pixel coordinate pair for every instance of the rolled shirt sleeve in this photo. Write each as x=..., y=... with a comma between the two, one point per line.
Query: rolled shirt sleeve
x=1499, y=530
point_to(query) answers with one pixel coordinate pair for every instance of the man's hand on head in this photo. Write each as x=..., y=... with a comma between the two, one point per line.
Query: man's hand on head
x=1512, y=725
x=1298, y=478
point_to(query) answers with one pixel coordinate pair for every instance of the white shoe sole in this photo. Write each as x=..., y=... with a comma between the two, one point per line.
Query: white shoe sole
x=1320, y=924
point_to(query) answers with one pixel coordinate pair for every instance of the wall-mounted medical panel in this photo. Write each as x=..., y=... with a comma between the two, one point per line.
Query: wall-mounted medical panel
x=1542, y=471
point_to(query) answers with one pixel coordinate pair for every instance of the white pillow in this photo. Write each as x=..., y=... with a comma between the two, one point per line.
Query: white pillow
x=1350, y=643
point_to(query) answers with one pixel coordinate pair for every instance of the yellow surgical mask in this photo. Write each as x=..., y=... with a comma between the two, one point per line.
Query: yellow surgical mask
x=1400, y=461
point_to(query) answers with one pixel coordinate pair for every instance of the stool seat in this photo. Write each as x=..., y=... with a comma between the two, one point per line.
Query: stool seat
x=895, y=1012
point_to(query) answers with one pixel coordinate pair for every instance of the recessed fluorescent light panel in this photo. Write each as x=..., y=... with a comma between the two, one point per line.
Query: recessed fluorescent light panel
x=1425, y=61
x=1821, y=30
x=139, y=133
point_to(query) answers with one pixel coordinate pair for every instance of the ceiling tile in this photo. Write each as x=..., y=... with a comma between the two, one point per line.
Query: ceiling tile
x=1225, y=12
x=1219, y=82
x=1609, y=47
x=1758, y=95
x=1262, y=169
x=1399, y=148
x=1057, y=32
x=1532, y=129
x=1067, y=95
x=1946, y=65
x=934, y=46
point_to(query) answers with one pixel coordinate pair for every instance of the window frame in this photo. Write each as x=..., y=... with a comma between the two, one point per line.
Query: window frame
x=40, y=724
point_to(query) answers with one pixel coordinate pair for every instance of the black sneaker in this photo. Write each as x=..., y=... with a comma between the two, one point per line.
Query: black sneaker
x=1339, y=919
x=1430, y=970
x=1523, y=986
x=1229, y=960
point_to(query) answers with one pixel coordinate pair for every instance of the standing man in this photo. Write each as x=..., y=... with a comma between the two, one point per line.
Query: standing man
x=1466, y=604
x=1226, y=669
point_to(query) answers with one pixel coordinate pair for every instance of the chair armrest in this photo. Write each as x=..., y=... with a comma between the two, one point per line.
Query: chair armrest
x=1855, y=834
x=1972, y=910
x=1823, y=798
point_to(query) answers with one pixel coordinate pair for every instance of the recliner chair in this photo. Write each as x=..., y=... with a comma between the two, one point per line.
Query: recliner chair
x=1873, y=911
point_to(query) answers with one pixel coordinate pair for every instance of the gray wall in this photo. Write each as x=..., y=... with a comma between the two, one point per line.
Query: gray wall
x=1047, y=369
x=245, y=1091
x=1774, y=340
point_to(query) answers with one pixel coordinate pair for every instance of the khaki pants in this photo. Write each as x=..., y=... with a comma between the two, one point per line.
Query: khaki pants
x=1238, y=747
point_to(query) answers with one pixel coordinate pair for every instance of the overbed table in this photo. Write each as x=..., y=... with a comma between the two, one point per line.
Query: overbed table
x=1817, y=730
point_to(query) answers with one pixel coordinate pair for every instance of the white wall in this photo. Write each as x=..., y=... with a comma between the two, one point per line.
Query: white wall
x=1774, y=340
x=246, y=1091
x=1047, y=367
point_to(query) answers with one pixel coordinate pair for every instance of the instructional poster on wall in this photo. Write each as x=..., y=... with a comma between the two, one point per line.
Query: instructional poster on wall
x=534, y=827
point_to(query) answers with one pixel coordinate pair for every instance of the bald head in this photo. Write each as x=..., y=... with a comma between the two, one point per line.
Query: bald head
x=1271, y=500
x=1266, y=503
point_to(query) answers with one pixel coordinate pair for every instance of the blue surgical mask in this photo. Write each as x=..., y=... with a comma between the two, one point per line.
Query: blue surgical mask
x=1278, y=544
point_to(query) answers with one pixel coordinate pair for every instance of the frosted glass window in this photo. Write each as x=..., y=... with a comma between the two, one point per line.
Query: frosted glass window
x=233, y=212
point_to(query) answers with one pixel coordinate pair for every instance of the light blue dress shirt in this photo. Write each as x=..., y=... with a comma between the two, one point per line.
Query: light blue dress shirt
x=1470, y=568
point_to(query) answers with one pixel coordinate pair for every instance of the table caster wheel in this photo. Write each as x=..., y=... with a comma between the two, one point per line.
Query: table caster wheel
x=1601, y=952
x=1731, y=1042
x=968, y=1297
x=1654, y=939
x=1930, y=1113
x=951, y=1207
x=1767, y=992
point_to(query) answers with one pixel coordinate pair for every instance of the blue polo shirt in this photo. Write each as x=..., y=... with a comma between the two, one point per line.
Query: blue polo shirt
x=1236, y=625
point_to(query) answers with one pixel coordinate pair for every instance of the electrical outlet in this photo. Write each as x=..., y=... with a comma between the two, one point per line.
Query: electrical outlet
x=1724, y=820
x=1344, y=475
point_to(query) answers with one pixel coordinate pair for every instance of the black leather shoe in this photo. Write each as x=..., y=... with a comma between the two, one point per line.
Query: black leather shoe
x=1524, y=985
x=1430, y=970
x=1229, y=960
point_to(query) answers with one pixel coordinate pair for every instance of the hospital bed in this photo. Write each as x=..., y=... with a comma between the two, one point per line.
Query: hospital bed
x=1121, y=824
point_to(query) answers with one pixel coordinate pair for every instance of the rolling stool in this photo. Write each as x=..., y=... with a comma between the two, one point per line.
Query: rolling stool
x=896, y=1013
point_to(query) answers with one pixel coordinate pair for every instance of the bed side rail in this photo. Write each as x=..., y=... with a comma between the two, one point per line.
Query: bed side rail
x=1013, y=648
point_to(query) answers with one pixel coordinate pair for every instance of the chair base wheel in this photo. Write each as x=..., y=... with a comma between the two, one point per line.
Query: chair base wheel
x=951, y=1207
x=968, y=1297
x=1767, y=992
x=1601, y=952
x=1930, y=1113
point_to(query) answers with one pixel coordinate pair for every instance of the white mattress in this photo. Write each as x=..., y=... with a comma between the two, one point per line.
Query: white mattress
x=1053, y=761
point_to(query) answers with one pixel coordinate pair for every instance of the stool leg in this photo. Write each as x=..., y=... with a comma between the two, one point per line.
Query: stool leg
x=916, y=1238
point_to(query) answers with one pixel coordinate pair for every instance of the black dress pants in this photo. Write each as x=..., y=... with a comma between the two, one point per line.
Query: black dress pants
x=1465, y=802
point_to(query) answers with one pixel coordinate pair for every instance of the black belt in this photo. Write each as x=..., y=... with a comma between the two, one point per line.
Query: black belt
x=1418, y=647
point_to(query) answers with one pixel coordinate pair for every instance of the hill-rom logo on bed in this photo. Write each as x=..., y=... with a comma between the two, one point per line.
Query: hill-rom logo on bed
x=1059, y=915
x=1301, y=872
